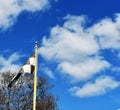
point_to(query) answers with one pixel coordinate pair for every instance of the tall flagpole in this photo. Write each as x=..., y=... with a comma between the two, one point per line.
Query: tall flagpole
x=35, y=76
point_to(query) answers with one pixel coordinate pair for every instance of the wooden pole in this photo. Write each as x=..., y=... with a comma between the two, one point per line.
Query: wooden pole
x=35, y=77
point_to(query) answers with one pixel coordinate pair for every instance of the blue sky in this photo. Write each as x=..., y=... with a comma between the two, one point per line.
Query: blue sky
x=79, y=44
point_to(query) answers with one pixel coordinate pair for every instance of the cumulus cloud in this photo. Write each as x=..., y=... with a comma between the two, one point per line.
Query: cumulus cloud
x=9, y=64
x=11, y=9
x=78, y=51
x=107, y=31
x=99, y=87
x=83, y=70
x=75, y=49
x=70, y=45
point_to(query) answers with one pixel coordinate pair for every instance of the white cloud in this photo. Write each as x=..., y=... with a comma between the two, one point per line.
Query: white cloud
x=99, y=87
x=11, y=9
x=47, y=71
x=74, y=49
x=107, y=31
x=70, y=45
x=75, y=23
x=77, y=49
x=10, y=63
x=83, y=70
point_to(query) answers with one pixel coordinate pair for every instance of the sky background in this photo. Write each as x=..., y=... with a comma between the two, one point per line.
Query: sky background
x=79, y=43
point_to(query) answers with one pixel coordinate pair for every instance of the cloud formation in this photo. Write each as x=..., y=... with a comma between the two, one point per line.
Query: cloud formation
x=46, y=71
x=11, y=9
x=107, y=32
x=99, y=87
x=77, y=49
x=8, y=64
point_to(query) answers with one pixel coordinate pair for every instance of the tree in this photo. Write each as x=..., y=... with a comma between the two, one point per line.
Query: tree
x=20, y=96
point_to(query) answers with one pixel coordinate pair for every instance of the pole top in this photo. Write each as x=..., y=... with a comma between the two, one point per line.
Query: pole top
x=36, y=44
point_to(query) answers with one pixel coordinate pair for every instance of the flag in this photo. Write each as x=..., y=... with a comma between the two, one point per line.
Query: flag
x=28, y=67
